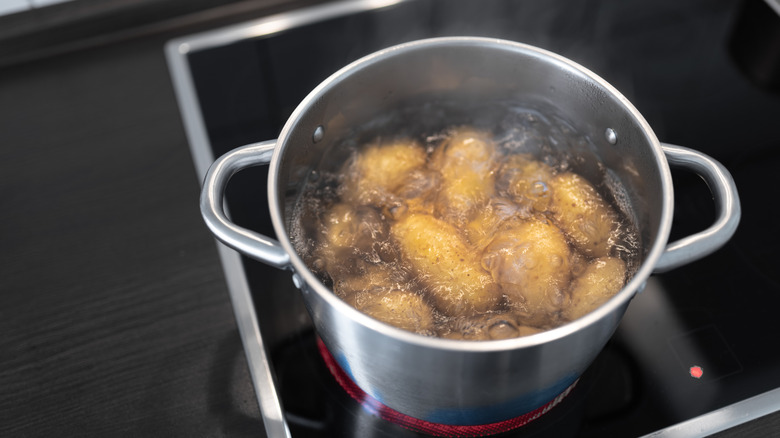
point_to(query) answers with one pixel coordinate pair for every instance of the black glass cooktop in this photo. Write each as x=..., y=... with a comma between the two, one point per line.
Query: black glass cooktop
x=695, y=342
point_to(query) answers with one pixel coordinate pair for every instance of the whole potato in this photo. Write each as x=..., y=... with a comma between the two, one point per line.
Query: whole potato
x=531, y=263
x=349, y=230
x=527, y=181
x=360, y=278
x=379, y=169
x=602, y=279
x=399, y=308
x=485, y=327
x=416, y=194
x=498, y=214
x=445, y=264
x=467, y=162
x=583, y=215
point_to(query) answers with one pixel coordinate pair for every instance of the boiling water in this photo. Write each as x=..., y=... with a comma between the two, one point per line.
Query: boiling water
x=425, y=235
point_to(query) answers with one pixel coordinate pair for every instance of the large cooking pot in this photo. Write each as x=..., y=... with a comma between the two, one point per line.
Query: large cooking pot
x=466, y=382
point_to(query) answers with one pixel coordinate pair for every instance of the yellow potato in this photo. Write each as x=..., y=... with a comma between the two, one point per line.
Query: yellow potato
x=399, y=308
x=499, y=213
x=340, y=226
x=583, y=214
x=531, y=263
x=445, y=264
x=358, y=231
x=578, y=263
x=416, y=194
x=361, y=278
x=337, y=233
x=481, y=327
x=526, y=181
x=467, y=162
x=603, y=278
x=379, y=169
x=484, y=327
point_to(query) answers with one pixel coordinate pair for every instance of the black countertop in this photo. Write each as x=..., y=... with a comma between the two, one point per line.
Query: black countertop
x=114, y=314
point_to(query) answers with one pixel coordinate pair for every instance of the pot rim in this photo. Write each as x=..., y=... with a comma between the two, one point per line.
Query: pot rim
x=634, y=285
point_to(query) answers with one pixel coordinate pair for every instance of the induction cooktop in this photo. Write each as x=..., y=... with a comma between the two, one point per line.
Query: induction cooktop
x=695, y=353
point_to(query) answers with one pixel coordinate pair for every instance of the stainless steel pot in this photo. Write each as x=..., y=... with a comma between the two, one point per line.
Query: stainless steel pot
x=461, y=382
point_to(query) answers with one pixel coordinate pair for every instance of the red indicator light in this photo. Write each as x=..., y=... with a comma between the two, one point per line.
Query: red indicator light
x=696, y=372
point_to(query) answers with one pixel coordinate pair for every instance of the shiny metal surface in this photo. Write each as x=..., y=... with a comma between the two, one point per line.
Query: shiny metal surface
x=723, y=418
x=446, y=381
x=724, y=193
x=176, y=51
x=243, y=307
x=246, y=319
x=611, y=136
x=262, y=373
x=245, y=241
x=774, y=4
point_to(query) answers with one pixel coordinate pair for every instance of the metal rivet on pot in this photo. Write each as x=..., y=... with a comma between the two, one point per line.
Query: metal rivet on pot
x=319, y=132
x=611, y=135
x=297, y=280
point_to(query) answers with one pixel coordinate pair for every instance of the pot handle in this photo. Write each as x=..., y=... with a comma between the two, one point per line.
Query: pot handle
x=212, y=195
x=728, y=210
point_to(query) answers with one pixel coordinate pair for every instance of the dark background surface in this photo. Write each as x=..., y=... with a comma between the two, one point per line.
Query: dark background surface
x=114, y=314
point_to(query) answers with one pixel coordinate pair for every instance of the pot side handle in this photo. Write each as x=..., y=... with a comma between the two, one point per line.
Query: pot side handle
x=245, y=241
x=728, y=210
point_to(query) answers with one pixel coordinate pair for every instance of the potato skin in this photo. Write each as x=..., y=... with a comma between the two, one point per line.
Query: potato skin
x=359, y=278
x=583, y=214
x=348, y=230
x=399, y=308
x=467, y=162
x=602, y=279
x=384, y=293
x=445, y=264
x=526, y=181
x=488, y=326
x=416, y=194
x=379, y=169
x=340, y=226
x=531, y=263
x=498, y=214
